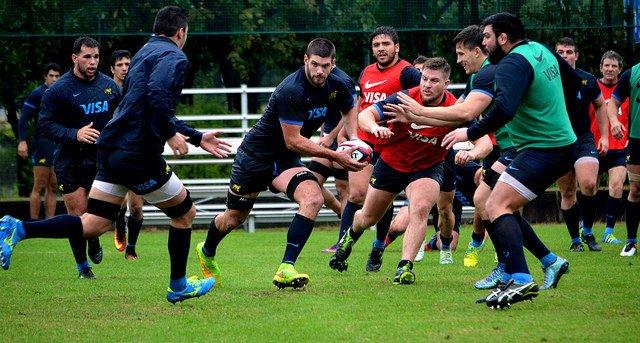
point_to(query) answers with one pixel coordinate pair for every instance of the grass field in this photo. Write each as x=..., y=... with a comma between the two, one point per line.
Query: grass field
x=41, y=299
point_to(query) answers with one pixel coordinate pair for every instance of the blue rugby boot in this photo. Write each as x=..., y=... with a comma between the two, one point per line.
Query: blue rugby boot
x=10, y=232
x=195, y=288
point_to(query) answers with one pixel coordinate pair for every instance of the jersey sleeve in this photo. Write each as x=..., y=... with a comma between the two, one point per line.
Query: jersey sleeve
x=379, y=106
x=594, y=89
x=623, y=89
x=48, y=122
x=29, y=112
x=483, y=82
x=291, y=109
x=410, y=77
x=346, y=96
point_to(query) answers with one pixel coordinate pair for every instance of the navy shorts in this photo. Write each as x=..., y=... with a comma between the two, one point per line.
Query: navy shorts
x=72, y=174
x=507, y=156
x=490, y=159
x=141, y=173
x=43, y=152
x=465, y=182
x=633, y=148
x=250, y=174
x=534, y=170
x=613, y=158
x=586, y=147
x=449, y=176
x=386, y=178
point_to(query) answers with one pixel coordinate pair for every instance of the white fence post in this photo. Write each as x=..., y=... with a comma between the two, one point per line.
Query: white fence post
x=244, y=108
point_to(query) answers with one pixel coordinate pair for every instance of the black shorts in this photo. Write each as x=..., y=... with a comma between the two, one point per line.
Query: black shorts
x=465, y=182
x=72, y=174
x=43, y=152
x=534, y=170
x=449, y=176
x=250, y=174
x=141, y=173
x=507, y=156
x=613, y=158
x=490, y=159
x=633, y=148
x=386, y=178
x=586, y=147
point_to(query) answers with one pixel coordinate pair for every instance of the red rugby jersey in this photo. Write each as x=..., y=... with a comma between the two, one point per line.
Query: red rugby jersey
x=376, y=85
x=623, y=116
x=416, y=147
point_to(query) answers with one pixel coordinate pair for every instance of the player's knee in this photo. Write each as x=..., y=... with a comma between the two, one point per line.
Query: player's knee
x=634, y=191
x=313, y=201
x=357, y=195
x=588, y=188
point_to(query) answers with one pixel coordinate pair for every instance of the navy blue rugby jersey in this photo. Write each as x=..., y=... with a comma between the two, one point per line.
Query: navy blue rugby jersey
x=297, y=102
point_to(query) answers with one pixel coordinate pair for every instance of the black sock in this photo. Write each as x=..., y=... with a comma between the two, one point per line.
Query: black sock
x=391, y=236
x=446, y=241
x=457, y=214
x=587, y=210
x=495, y=240
x=178, y=246
x=612, y=210
x=355, y=235
x=530, y=239
x=478, y=237
x=403, y=263
x=93, y=244
x=571, y=217
x=633, y=218
x=299, y=231
x=134, y=225
x=347, y=217
x=434, y=216
x=382, y=227
x=120, y=222
x=508, y=230
x=62, y=226
x=214, y=237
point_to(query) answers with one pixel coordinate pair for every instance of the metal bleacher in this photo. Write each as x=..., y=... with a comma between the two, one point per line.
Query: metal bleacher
x=209, y=193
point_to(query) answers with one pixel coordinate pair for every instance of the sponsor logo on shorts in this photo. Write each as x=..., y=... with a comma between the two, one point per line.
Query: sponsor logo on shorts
x=145, y=185
x=107, y=91
x=42, y=161
x=236, y=188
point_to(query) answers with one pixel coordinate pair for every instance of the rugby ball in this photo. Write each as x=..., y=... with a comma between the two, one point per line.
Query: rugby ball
x=362, y=153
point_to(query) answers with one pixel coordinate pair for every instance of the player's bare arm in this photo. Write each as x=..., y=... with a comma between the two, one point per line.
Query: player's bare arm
x=367, y=122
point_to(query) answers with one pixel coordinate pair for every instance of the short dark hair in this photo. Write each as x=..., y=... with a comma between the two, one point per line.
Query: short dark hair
x=568, y=41
x=321, y=47
x=169, y=20
x=118, y=55
x=84, y=41
x=51, y=66
x=612, y=55
x=384, y=30
x=506, y=23
x=470, y=37
x=438, y=63
x=420, y=60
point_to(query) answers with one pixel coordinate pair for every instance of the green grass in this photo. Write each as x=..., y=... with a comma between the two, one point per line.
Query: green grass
x=41, y=299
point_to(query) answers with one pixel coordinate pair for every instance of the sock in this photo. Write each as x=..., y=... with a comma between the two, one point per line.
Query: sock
x=378, y=244
x=214, y=237
x=347, y=217
x=575, y=240
x=82, y=265
x=632, y=241
x=477, y=239
x=391, y=236
x=521, y=278
x=457, y=214
x=495, y=241
x=548, y=260
x=134, y=225
x=435, y=216
x=93, y=244
x=571, y=217
x=587, y=231
x=62, y=226
x=299, y=231
x=611, y=212
x=382, y=227
x=530, y=240
x=587, y=209
x=355, y=235
x=120, y=223
x=633, y=218
x=511, y=239
x=179, y=284
x=178, y=246
x=446, y=241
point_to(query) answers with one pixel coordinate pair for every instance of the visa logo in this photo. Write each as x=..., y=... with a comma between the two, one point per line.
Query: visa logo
x=95, y=107
x=373, y=97
x=318, y=113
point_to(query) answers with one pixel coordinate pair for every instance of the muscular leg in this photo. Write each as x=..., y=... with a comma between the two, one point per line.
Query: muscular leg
x=569, y=205
x=50, y=201
x=617, y=175
x=76, y=203
x=134, y=223
x=420, y=201
x=587, y=176
x=40, y=184
x=446, y=218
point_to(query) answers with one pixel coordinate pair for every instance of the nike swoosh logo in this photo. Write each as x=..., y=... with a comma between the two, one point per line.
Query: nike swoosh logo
x=538, y=58
x=418, y=127
x=368, y=85
x=75, y=95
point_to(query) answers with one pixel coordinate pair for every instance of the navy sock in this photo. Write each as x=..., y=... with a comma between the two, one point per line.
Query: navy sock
x=633, y=218
x=346, y=221
x=134, y=225
x=446, y=241
x=62, y=226
x=214, y=236
x=477, y=239
x=78, y=249
x=571, y=217
x=511, y=238
x=495, y=240
x=530, y=240
x=179, y=284
x=178, y=246
x=587, y=209
x=382, y=227
x=82, y=265
x=612, y=211
x=120, y=223
x=457, y=214
x=299, y=231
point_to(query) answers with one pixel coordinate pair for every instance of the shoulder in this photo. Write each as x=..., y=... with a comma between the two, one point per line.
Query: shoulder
x=293, y=85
